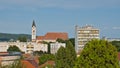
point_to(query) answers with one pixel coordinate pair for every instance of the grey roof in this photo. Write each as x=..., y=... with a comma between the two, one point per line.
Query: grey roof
x=33, y=23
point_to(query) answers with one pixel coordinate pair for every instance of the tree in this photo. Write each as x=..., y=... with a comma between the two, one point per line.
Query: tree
x=61, y=61
x=60, y=40
x=98, y=54
x=22, y=39
x=72, y=40
x=45, y=57
x=65, y=57
x=70, y=54
x=48, y=48
x=38, y=52
x=116, y=44
x=13, y=49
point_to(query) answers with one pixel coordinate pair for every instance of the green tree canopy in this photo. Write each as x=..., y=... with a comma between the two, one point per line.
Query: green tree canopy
x=72, y=40
x=116, y=44
x=65, y=57
x=45, y=57
x=98, y=54
x=61, y=60
x=13, y=48
x=60, y=40
x=22, y=39
x=70, y=54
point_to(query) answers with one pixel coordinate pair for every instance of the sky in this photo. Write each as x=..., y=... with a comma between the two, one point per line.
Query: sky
x=16, y=16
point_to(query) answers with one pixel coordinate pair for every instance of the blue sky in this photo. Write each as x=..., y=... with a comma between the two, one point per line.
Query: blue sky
x=16, y=16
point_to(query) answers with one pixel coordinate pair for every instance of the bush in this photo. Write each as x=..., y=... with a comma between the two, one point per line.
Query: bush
x=45, y=57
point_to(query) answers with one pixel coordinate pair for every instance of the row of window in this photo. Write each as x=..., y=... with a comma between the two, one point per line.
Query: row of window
x=88, y=31
x=88, y=36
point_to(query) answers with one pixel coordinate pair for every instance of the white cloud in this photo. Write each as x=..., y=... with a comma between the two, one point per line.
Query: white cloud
x=116, y=28
x=67, y=4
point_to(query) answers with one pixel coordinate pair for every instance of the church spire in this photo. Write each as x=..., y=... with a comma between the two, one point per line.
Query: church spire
x=33, y=31
x=33, y=23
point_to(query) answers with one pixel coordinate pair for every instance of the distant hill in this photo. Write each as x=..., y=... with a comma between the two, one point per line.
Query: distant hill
x=8, y=37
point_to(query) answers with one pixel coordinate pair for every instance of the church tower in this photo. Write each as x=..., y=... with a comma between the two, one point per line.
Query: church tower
x=33, y=31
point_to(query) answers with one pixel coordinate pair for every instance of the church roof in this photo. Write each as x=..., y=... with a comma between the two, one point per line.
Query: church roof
x=33, y=23
x=53, y=36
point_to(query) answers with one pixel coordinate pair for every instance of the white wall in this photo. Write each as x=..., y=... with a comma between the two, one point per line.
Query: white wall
x=55, y=46
x=23, y=46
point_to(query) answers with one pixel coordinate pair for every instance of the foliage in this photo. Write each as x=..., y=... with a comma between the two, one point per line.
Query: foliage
x=48, y=48
x=39, y=53
x=22, y=39
x=45, y=57
x=44, y=42
x=61, y=60
x=60, y=40
x=7, y=36
x=13, y=49
x=116, y=44
x=17, y=64
x=98, y=54
x=72, y=40
x=70, y=54
x=65, y=57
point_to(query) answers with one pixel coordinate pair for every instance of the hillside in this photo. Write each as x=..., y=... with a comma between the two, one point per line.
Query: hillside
x=8, y=37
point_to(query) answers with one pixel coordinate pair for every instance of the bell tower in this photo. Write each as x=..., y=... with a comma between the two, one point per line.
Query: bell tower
x=33, y=31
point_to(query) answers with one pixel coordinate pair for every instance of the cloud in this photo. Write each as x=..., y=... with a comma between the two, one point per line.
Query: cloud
x=116, y=28
x=66, y=4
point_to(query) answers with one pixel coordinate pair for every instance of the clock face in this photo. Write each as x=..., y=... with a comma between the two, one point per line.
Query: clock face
x=33, y=30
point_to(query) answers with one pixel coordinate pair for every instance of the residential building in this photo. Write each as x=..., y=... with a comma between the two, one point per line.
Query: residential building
x=113, y=39
x=27, y=47
x=9, y=58
x=55, y=46
x=83, y=35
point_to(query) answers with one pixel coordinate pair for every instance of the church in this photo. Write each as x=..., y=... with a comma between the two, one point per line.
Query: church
x=48, y=37
x=36, y=42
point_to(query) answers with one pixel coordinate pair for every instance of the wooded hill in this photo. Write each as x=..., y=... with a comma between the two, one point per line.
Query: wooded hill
x=8, y=36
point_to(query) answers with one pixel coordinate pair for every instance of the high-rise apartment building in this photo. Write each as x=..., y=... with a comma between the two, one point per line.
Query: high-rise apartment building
x=83, y=35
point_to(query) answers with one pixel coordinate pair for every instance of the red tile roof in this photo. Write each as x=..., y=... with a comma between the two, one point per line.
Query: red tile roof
x=0, y=60
x=4, y=53
x=26, y=55
x=53, y=36
x=47, y=63
x=27, y=64
x=36, y=58
x=40, y=37
x=119, y=56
